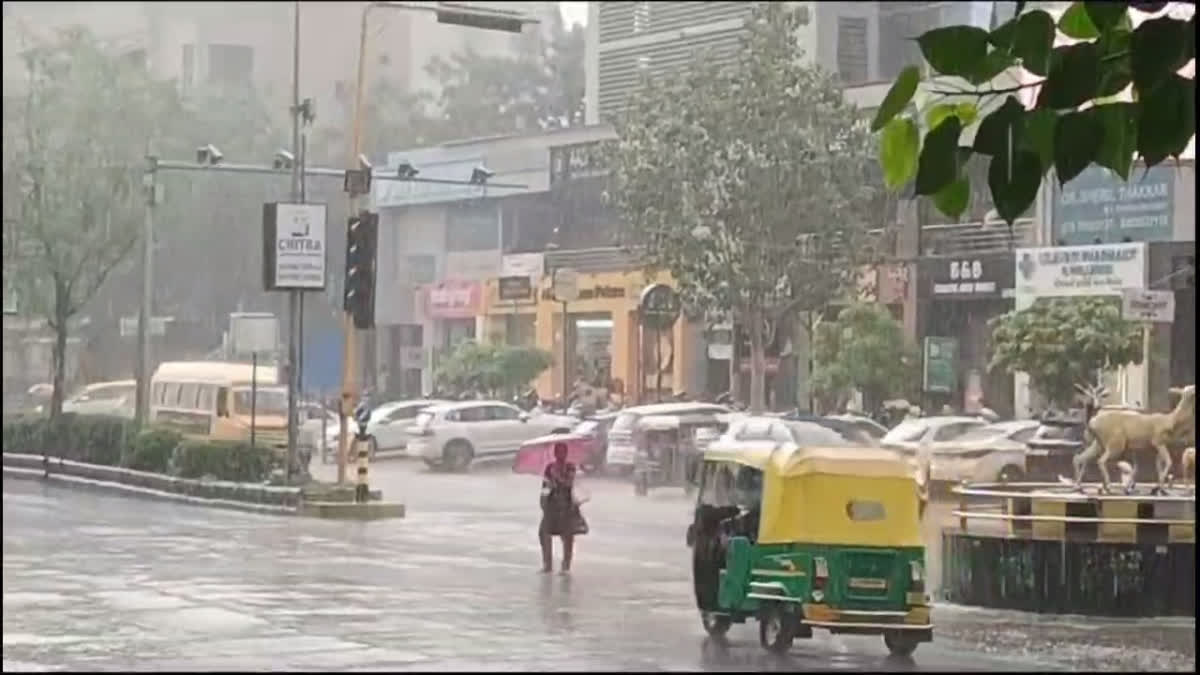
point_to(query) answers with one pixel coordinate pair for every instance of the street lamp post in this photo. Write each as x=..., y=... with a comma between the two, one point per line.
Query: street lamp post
x=447, y=13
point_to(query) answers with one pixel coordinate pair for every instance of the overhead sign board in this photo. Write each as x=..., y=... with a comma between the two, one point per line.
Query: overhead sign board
x=515, y=288
x=1097, y=204
x=1103, y=269
x=156, y=328
x=968, y=277
x=1152, y=306
x=253, y=333
x=294, y=246
x=566, y=284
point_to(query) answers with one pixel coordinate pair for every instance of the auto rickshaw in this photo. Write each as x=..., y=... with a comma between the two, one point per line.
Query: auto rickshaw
x=666, y=454
x=802, y=538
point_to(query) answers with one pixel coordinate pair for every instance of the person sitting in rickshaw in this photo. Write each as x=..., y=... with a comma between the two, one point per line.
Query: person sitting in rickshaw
x=746, y=495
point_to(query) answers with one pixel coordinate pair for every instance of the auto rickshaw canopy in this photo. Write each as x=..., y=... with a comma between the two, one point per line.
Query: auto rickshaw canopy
x=832, y=496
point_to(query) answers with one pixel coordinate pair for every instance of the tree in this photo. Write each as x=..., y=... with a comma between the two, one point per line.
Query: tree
x=492, y=369
x=864, y=349
x=749, y=183
x=1063, y=342
x=487, y=95
x=74, y=150
x=1115, y=91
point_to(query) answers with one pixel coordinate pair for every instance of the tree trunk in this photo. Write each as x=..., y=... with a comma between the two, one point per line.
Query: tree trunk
x=60, y=350
x=758, y=363
x=735, y=372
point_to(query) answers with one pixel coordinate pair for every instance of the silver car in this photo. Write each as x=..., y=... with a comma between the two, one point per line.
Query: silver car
x=452, y=435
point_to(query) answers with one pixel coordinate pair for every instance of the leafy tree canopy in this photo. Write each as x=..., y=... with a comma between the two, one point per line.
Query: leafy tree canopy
x=493, y=369
x=1063, y=342
x=864, y=349
x=1109, y=92
x=75, y=133
x=750, y=183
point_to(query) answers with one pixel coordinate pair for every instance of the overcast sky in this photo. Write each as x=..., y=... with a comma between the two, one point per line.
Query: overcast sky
x=574, y=12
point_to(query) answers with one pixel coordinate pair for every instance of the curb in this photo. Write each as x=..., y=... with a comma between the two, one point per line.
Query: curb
x=133, y=490
x=30, y=467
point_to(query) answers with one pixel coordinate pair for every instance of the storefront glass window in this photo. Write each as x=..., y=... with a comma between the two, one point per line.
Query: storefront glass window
x=592, y=349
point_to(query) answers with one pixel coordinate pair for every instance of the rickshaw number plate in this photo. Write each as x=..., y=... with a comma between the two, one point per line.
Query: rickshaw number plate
x=869, y=584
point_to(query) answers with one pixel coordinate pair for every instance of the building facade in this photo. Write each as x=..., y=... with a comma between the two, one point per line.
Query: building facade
x=444, y=249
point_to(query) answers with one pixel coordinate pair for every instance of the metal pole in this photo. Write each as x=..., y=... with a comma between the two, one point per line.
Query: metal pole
x=302, y=159
x=253, y=395
x=293, y=295
x=566, y=374
x=146, y=308
x=350, y=336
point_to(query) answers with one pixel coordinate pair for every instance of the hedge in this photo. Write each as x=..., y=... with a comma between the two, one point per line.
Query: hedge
x=233, y=461
x=152, y=450
x=114, y=441
x=95, y=439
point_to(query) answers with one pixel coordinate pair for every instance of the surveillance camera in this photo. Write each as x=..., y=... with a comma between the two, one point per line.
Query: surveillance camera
x=480, y=175
x=364, y=163
x=208, y=154
x=284, y=159
x=406, y=170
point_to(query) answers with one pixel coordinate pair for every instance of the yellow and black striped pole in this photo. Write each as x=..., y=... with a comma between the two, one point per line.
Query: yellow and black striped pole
x=361, y=486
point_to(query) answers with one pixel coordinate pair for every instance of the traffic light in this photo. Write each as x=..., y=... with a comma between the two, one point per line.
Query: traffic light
x=362, y=237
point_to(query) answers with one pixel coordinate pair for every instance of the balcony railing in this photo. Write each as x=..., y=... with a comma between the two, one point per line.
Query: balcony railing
x=977, y=237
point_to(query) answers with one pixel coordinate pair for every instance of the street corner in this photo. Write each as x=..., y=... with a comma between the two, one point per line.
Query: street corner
x=353, y=510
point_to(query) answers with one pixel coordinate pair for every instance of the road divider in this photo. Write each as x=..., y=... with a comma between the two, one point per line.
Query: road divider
x=257, y=498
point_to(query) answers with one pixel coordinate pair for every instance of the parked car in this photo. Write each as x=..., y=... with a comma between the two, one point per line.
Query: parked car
x=869, y=427
x=909, y=435
x=104, y=398
x=849, y=428
x=387, y=424
x=452, y=435
x=991, y=453
x=802, y=433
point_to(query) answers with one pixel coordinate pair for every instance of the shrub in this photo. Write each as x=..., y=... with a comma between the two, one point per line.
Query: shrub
x=152, y=450
x=96, y=439
x=232, y=461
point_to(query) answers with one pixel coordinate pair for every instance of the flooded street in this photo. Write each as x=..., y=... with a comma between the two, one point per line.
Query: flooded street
x=94, y=581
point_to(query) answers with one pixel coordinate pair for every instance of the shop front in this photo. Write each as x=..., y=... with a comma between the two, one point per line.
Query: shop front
x=603, y=336
x=454, y=310
x=964, y=294
x=1079, y=271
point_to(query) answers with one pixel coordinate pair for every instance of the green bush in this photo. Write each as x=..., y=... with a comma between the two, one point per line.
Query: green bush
x=223, y=460
x=152, y=450
x=96, y=439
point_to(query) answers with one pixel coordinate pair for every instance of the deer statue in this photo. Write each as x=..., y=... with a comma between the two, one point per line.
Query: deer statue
x=1115, y=431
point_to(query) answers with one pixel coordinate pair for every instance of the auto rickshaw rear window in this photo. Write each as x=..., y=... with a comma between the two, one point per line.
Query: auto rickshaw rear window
x=860, y=510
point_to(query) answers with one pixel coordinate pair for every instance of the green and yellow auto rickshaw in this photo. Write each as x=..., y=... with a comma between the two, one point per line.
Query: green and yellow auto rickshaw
x=802, y=538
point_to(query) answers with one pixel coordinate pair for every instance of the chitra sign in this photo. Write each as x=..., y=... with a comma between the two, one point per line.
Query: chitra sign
x=293, y=246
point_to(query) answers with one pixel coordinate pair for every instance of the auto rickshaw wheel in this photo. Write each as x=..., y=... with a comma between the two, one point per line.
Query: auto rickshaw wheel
x=716, y=625
x=900, y=643
x=776, y=629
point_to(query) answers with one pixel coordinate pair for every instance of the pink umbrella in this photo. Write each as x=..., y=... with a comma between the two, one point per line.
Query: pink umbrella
x=535, y=455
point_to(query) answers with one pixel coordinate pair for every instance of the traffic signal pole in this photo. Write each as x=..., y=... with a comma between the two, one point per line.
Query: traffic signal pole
x=447, y=13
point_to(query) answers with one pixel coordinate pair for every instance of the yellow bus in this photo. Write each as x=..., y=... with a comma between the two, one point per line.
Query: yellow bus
x=212, y=400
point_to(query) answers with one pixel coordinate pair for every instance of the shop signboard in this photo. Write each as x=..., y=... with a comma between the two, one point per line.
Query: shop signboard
x=452, y=299
x=1097, y=204
x=1103, y=269
x=939, y=372
x=1151, y=306
x=515, y=288
x=969, y=277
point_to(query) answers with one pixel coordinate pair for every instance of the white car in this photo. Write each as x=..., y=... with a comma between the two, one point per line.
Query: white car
x=388, y=423
x=104, y=398
x=992, y=453
x=452, y=435
x=910, y=435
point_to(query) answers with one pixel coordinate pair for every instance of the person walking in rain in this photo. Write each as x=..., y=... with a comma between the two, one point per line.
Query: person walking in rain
x=561, y=516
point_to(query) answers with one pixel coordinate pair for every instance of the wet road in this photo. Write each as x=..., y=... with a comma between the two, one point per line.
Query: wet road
x=95, y=581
